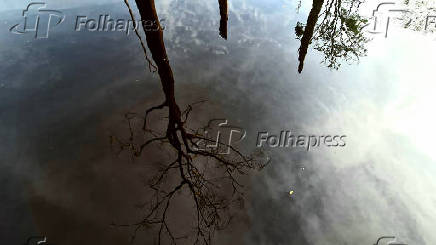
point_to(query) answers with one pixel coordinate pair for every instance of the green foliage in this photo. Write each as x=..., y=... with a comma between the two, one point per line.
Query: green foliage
x=353, y=22
x=299, y=30
x=339, y=35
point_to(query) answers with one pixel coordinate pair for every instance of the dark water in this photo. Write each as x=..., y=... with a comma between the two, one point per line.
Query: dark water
x=63, y=96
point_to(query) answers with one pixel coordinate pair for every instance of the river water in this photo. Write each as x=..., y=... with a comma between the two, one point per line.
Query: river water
x=61, y=98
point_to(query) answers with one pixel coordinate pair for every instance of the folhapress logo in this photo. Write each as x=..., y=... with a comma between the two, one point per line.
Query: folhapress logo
x=392, y=242
x=38, y=19
x=287, y=139
x=219, y=137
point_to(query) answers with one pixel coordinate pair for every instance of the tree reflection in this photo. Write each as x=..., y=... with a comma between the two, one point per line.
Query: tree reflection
x=224, y=18
x=210, y=177
x=335, y=29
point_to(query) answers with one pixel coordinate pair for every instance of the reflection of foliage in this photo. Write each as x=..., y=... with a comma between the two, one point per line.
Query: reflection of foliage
x=338, y=35
x=299, y=30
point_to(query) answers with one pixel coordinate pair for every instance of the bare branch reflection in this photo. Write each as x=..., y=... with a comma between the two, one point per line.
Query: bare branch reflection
x=209, y=178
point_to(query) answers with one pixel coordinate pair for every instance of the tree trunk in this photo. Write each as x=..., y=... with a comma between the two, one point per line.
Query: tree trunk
x=224, y=18
x=155, y=42
x=308, y=31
